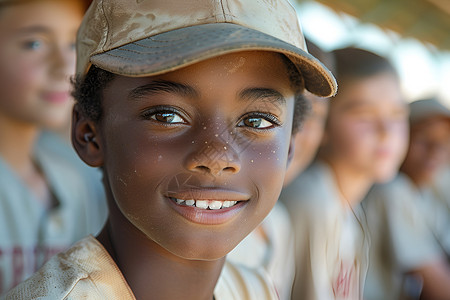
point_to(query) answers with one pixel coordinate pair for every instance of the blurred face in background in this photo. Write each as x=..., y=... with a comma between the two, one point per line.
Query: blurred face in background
x=367, y=127
x=308, y=138
x=429, y=149
x=37, y=58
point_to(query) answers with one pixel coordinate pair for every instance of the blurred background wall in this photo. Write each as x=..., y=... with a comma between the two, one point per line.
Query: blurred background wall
x=413, y=34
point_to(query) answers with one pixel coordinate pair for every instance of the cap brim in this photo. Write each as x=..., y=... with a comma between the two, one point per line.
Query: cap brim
x=426, y=108
x=179, y=48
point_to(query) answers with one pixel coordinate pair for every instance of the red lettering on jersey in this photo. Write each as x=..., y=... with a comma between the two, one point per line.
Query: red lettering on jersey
x=344, y=282
x=18, y=265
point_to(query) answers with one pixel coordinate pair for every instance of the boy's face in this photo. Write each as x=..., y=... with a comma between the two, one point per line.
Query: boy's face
x=213, y=133
x=37, y=56
x=429, y=149
x=367, y=129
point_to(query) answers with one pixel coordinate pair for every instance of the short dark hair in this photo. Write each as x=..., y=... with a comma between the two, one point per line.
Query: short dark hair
x=88, y=92
x=353, y=64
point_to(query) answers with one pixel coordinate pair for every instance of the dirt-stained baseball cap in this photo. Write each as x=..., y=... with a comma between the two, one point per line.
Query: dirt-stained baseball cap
x=149, y=37
x=426, y=108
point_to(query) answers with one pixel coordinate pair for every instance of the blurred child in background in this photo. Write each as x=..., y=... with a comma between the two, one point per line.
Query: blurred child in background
x=364, y=142
x=42, y=195
x=408, y=230
x=426, y=164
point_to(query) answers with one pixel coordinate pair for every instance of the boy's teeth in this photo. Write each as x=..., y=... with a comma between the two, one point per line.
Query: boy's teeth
x=190, y=202
x=214, y=204
x=201, y=204
x=228, y=203
x=205, y=204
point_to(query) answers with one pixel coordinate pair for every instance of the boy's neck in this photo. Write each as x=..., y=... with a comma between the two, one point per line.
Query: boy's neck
x=353, y=186
x=150, y=270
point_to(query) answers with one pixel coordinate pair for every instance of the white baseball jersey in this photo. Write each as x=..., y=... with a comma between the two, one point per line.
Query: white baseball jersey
x=400, y=240
x=87, y=271
x=435, y=208
x=331, y=244
x=270, y=246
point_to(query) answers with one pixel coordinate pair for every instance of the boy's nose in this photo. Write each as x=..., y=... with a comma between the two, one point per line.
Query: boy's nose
x=215, y=158
x=63, y=61
x=383, y=128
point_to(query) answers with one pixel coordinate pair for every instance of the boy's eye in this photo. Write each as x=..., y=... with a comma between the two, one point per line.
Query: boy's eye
x=164, y=115
x=32, y=44
x=167, y=117
x=259, y=121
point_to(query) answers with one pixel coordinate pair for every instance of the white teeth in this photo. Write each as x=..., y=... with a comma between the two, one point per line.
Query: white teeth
x=228, y=203
x=205, y=204
x=201, y=204
x=190, y=202
x=214, y=204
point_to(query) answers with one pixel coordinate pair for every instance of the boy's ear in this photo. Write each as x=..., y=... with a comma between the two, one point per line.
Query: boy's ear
x=85, y=139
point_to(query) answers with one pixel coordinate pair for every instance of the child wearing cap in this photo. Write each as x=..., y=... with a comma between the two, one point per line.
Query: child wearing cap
x=188, y=107
x=43, y=207
x=408, y=218
x=364, y=142
x=426, y=161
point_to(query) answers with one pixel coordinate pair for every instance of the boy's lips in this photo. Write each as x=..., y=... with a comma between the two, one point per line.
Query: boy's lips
x=206, y=204
x=56, y=96
x=209, y=206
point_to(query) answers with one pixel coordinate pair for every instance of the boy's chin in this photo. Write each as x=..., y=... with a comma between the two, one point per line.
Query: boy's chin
x=211, y=253
x=384, y=176
x=204, y=248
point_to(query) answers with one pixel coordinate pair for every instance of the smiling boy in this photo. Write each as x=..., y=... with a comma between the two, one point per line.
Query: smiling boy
x=188, y=107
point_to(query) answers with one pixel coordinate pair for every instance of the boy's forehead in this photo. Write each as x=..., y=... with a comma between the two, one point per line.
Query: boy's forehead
x=150, y=37
x=253, y=74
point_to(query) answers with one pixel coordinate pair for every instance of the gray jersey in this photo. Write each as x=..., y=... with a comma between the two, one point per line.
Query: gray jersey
x=31, y=233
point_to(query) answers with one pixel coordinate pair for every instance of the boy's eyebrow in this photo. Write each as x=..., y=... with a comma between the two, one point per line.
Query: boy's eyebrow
x=163, y=86
x=355, y=105
x=33, y=29
x=266, y=94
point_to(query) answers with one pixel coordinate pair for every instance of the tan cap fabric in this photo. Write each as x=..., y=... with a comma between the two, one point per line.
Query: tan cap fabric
x=426, y=108
x=150, y=37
